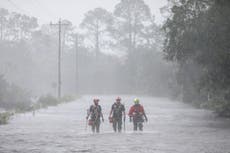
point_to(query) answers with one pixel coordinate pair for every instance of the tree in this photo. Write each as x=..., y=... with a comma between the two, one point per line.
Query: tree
x=198, y=39
x=16, y=26
x=96, y=23
x=152, y=36
x=12, y=96
x=27, y=26
x=132, y=16
x=3, y=19
x=183, y=41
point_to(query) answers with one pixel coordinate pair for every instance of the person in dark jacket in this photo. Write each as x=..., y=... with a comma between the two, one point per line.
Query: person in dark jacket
x=95, y=113
x=116, y=113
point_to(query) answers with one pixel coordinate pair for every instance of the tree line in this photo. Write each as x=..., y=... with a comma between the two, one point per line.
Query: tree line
x=122, y=51
x=197, y=39
x=118, y=52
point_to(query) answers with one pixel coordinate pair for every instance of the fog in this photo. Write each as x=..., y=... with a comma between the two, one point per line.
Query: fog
x=94, y=58
x=74, y=10
x=114, y=76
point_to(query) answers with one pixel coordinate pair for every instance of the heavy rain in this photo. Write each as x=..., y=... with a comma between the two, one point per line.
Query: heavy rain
x=106, y=76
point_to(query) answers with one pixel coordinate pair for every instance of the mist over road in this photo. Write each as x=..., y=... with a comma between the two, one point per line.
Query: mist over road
x=173, y=127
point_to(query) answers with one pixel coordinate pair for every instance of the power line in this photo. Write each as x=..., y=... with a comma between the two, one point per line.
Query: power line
x=48, y=11
x=20, y=9
x=38, y=7
x=17, y=7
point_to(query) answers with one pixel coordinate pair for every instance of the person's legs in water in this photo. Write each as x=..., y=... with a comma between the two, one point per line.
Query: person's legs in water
x=119, y=124
x=93, y=127
x=97, y=124
x=134, y=126
x=115, y=125
x=140, y=125
x=135, y=121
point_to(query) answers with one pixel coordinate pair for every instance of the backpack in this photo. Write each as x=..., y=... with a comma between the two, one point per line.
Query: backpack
x=117, y=110
x=95, y=112
x=138, y=113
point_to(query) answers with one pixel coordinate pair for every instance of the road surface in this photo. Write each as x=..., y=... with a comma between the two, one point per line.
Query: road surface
x=173, y=127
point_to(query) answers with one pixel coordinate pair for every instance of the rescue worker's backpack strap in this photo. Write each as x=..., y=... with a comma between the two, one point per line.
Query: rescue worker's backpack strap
x=138, y=108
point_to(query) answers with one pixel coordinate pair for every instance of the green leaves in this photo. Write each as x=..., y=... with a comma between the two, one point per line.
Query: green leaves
x=133, y=16
x=16, y=26
x=12, y=96
x=97, y=24
x=198, y=36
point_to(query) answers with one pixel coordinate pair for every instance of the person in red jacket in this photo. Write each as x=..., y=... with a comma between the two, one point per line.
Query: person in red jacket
x=137, y=115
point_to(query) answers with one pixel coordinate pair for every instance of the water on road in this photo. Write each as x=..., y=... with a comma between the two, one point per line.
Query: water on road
x=172, y=128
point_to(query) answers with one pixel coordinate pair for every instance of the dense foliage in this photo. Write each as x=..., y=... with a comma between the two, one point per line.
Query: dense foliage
x=13, y=97
x=198, y=35
x=121, y=52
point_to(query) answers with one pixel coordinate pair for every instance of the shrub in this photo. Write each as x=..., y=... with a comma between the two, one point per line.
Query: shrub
x=48, y=100
x=4, y=117
x=67, y=98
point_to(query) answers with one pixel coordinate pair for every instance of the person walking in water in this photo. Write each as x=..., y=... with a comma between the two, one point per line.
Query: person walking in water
x=115, y=116
x=137, y=115
x=95, y=113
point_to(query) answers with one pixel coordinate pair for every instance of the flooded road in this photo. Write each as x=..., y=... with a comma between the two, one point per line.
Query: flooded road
x=173, y=127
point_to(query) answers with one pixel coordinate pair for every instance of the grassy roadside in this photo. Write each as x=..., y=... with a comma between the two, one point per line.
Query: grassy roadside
x=43, y=102
x=4, y=117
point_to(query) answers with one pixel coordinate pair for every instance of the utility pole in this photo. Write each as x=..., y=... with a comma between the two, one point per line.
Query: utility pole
x=59, y=24
x=77, y=64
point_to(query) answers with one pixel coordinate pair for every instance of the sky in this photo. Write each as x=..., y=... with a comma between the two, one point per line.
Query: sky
x=73, y=10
